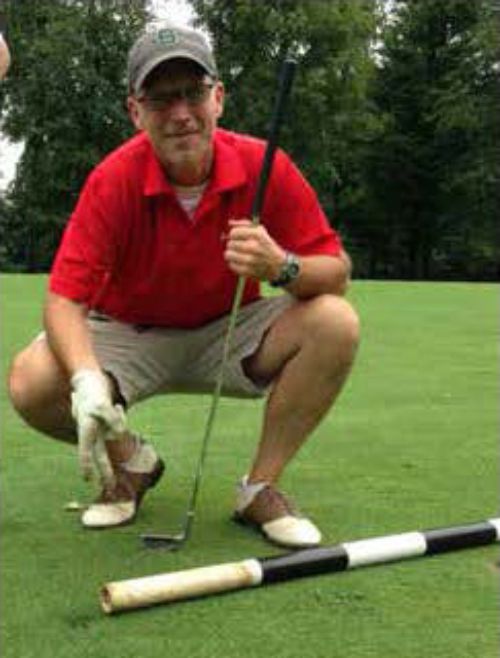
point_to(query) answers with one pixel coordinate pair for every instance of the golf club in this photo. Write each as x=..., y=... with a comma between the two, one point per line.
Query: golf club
x=175, y=541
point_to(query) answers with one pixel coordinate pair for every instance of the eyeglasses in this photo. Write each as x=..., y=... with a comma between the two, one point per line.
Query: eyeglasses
x=194, y=94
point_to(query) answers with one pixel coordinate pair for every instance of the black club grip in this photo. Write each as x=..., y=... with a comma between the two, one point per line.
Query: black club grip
x=285, y=80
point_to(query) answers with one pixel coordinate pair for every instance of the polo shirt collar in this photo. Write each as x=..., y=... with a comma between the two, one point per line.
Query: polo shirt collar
x=155, y=181
x=228, y=173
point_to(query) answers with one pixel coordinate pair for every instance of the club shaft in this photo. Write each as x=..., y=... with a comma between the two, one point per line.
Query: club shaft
x=284, y=86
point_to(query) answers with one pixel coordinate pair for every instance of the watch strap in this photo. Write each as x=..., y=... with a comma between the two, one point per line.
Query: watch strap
x=289, y=271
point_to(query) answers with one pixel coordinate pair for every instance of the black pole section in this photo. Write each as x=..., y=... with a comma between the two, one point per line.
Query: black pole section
x=284, y=85
x=310, y=562
x=454, y=539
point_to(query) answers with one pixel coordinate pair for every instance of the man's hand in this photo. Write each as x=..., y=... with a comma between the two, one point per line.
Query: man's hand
x=252, y=252
x=97, y=420
x=4, y=58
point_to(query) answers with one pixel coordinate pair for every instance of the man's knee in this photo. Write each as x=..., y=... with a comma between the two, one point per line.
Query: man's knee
x=19, y=383
x=334, y=325
x=39, y=392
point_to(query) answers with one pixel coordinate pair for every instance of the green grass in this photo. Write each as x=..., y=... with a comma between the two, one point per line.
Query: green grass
x=412, y=444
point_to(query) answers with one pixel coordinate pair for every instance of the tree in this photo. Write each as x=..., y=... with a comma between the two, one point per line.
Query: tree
x=64, y=98
x=433, y=172
x=329, y=118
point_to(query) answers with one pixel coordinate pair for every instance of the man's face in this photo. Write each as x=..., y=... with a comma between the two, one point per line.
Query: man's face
x=178, y=107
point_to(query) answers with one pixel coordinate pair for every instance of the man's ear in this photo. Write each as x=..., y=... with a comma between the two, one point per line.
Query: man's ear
x=134, y=112
x=219, y=98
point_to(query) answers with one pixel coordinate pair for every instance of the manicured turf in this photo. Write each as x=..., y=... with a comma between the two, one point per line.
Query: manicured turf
x=412, y=444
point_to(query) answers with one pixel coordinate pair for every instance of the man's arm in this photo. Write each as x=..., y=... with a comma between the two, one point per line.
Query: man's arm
x=97, y=418
x=321, y=275
x=68, y=334
x=252, y=252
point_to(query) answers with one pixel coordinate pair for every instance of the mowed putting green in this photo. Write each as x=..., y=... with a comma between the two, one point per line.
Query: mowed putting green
x=412, y=444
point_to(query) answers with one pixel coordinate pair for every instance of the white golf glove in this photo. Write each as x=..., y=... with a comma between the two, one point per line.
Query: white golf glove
x=97, y=420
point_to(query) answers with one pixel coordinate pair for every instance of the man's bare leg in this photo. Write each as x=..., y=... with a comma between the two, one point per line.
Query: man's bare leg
x=308, y=352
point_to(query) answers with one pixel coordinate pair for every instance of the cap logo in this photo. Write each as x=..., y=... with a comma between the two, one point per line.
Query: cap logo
x=167, y=37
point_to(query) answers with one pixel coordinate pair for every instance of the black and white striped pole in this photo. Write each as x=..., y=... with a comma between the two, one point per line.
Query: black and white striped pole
x=169, y=587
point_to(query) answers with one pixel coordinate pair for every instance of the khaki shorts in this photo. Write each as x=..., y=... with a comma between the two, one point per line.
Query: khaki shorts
x=153, y=361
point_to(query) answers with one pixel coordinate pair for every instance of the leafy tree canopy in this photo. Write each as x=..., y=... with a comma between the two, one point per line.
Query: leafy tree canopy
x=64, y=97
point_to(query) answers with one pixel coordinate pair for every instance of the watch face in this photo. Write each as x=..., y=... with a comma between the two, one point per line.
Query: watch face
x=293, y=269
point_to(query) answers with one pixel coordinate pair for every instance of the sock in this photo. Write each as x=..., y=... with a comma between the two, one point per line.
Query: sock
x=144, y=458
x=247, y=492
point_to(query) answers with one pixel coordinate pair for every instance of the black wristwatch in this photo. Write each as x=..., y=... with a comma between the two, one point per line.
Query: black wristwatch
x=290, y=270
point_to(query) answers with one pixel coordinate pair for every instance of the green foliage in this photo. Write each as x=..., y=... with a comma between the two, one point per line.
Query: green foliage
x=65, y=99
x=329, y=114
x=432, y=175
x=393, y=117
x=393, y=121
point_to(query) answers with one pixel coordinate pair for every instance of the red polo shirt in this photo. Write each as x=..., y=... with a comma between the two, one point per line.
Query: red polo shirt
x=130, y=251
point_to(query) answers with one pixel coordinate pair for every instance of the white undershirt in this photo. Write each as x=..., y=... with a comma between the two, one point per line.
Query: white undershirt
x=190, y=197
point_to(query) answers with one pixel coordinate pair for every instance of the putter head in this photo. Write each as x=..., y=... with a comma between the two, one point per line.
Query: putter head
x=166, y=542
x=169, y=542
